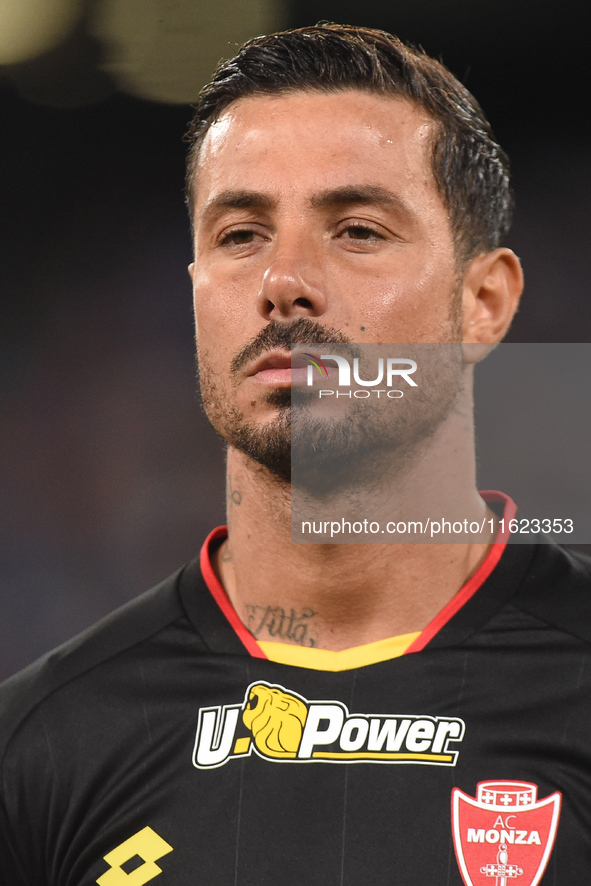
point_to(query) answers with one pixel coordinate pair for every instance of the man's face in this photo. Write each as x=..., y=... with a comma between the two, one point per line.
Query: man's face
x=317, y=219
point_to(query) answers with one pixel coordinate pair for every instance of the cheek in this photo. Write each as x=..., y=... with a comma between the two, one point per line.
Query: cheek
x=216, y=315
x=406, y=311
x=222, y=302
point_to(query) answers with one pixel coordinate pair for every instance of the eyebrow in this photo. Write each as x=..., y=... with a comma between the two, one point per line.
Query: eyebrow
x=361, y=195
x=236, y=200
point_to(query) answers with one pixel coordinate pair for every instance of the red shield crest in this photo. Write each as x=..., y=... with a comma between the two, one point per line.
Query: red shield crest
x=504, y=836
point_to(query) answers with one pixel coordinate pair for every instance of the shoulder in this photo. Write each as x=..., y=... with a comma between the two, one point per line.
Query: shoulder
x=91, y=652
x=557, y=590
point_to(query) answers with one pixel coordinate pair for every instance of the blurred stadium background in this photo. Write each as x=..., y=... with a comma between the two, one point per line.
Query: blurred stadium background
x=110, y=475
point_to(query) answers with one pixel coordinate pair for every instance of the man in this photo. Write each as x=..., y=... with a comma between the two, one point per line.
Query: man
x=286, y=714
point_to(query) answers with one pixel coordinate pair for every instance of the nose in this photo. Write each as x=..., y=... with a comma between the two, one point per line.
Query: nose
x=292, y=285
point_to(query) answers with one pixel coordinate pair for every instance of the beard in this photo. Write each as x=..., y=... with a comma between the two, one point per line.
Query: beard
x=270, y=445
x=321, y=452
x=352, y=444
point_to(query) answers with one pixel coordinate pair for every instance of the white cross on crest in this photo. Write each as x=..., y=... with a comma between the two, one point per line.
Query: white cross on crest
x=502, y=870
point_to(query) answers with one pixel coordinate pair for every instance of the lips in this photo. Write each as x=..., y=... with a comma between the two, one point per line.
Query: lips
x=279, y=369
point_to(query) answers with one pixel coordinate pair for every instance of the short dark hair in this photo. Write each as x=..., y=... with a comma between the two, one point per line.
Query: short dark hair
x=470, y=168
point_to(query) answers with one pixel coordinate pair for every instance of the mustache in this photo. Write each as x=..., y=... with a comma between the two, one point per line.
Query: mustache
x=303, y=331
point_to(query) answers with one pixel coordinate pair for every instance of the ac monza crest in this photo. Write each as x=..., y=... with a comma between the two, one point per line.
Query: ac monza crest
x=504, y=835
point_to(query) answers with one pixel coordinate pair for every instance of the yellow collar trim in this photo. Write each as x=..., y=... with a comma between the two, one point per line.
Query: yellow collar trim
x=345, y=660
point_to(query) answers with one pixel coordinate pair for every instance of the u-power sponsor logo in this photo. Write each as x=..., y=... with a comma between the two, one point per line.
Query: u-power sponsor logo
x=285, y=727
x=390, y=370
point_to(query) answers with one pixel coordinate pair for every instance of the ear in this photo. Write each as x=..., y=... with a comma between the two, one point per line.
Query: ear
x=191, y=269
x=492, y=286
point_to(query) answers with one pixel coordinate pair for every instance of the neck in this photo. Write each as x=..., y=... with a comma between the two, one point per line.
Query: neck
x=336, y=596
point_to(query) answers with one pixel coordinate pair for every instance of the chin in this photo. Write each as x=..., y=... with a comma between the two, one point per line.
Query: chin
x=269, y=445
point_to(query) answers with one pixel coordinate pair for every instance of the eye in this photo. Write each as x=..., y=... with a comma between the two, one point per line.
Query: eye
x=237, y=237
x=360, y=232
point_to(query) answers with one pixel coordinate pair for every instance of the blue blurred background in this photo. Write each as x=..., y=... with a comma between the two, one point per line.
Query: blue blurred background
x=110, y=475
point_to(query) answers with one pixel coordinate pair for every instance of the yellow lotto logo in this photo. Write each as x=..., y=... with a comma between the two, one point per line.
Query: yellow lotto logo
x=280, y=725
x=148, y=847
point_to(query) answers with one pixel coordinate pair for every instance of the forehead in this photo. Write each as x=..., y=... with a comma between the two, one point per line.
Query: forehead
x=311, y=139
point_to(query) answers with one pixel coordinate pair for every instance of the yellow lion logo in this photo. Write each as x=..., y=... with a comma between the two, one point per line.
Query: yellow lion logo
x=275, y=719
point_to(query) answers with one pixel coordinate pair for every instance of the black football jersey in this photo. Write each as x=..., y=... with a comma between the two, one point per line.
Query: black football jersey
x=162, y=745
